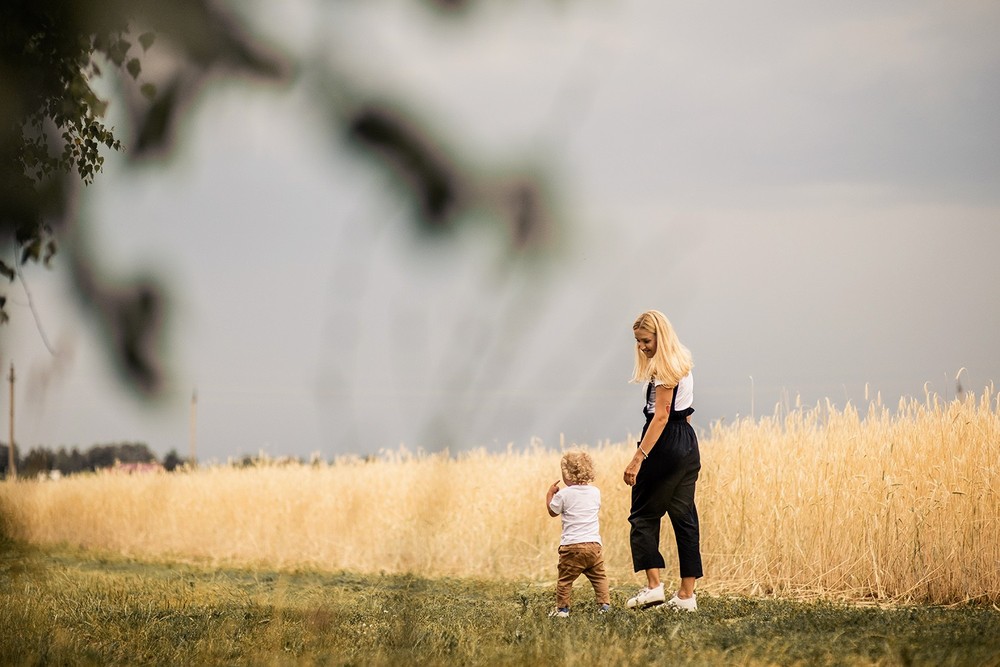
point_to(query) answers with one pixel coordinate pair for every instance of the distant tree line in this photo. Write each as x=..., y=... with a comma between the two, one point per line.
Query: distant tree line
x=43, y=461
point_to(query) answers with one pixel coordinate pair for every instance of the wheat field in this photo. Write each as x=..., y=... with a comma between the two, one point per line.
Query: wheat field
x=877, y=505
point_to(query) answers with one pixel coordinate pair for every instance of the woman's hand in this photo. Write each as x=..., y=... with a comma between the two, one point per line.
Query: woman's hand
x=633, y=469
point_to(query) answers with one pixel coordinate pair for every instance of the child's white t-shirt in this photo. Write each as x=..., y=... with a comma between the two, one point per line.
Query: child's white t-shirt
x=578, y=504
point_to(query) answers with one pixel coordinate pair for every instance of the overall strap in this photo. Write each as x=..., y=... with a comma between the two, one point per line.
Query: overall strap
x=645, y=407
x=678, y=415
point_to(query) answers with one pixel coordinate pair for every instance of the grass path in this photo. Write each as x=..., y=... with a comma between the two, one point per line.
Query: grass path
x=61, y=606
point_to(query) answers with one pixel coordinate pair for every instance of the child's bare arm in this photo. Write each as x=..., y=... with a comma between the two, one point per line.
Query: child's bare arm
x=553, y=490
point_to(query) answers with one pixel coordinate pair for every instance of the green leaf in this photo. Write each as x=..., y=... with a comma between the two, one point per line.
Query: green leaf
x=147, y=39
x=117, y=56
x=31, y=251
x=148, y=91
x=134, y=67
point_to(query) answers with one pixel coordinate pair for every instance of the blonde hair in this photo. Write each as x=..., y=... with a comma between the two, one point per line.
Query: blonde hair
x=577, y=467
x=671, y=362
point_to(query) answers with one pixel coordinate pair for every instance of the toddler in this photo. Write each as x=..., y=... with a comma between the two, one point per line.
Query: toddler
x=580, y=550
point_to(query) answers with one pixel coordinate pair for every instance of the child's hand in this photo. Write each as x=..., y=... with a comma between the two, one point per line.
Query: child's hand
x=553, y=490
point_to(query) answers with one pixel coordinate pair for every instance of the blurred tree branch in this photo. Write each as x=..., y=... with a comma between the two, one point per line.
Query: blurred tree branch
x=162, y=55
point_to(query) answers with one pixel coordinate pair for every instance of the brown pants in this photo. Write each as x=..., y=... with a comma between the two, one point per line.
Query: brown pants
x=586, y=558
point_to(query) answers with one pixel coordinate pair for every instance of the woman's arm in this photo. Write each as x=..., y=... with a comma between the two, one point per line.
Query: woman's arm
x=653, y=433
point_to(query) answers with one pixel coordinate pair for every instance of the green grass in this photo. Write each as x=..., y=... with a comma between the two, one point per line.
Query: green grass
x=68, y=607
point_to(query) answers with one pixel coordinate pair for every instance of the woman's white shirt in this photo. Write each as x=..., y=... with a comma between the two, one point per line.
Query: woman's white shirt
x=684, y=397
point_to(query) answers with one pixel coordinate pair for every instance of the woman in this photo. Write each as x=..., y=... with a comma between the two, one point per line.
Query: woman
x=665, y=467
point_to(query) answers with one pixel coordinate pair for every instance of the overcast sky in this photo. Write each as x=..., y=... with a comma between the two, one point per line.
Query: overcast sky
x=809, y=191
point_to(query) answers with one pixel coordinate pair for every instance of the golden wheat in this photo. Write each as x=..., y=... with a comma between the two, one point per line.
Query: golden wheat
x=818, y=501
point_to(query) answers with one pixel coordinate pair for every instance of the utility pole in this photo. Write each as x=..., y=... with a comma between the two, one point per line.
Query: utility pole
x=193, y=460
x=11, y=461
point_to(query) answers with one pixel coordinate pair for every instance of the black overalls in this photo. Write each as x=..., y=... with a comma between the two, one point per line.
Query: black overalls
x=665, y=485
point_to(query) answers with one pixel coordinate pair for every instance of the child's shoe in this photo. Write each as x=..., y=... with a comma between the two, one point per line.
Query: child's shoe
x=647, y=597
x=561, y=612
x=604, y=608
x=678, y=604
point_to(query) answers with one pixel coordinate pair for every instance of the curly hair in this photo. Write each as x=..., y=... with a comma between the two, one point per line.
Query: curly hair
x=577, y=467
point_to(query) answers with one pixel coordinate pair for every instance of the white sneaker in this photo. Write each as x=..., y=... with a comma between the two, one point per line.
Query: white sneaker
x=647, y=597
x=562, y=612
x=678, y=604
